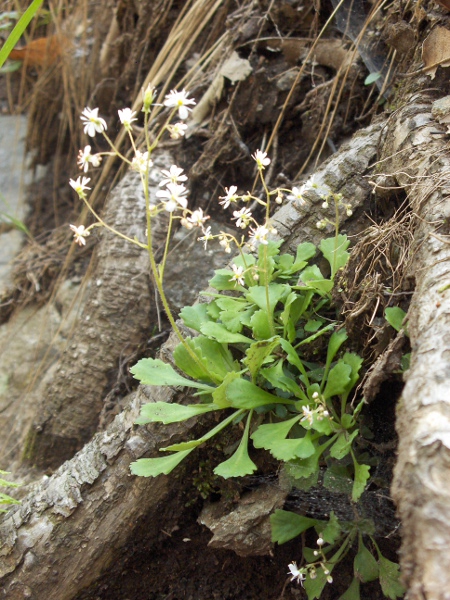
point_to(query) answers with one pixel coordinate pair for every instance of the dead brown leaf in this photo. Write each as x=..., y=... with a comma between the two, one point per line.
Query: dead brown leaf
x=436, y=50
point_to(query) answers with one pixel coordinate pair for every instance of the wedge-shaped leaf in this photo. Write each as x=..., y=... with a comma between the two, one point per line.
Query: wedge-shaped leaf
x=355, y=363
x=362, y=474
x=258, y=353
x=332, y=530
x=314, y=279
x=353, y=591
x=390, y=578
x=240, y=463
x=152, y=467
x=214, y=359
x=294, y=359
x=221, y=334
x=335, y=251
x=304, y=468
x=336, y=341
x=365, y=564
x=395, y=316
x=195, y=316
x=312, y=325
x=337, y=479
x=277, y=291
x=276, y=376
x=241, y=393
x=269, y=435
x=231, y=312
x=153, y=371
x=220, y=392
x=287, y=525
x=261, y=325
x=343, y=444
x=272, y=437
x=305, y=251
x=165, y=412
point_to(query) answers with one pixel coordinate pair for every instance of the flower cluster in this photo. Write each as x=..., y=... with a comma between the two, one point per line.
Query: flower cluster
x=319, y=412
x=311, y=569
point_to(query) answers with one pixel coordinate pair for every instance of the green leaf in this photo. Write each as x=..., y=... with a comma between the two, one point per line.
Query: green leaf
x=214, y=359
x=365, y=564
x=240, y=463
x=333, y=529
x=18, y=30
x=257, y=354
x=395, y=317
x=277, y=291
x=241, y=393
x=294, y=359
x=152, y=467
x=195, y=316
x=220, y=393
x=312, y=325
x=390, y=578
x=314, y=279
x=153, y=371
x=337, y=479
x=355, y=363
x=221, y=334
x=372, y=78
x=272, y=437
x=305, y=251
x=343, y=444
x=337, y=381
x=287, y=525
x=335, y=251
x=353, y=591
x=165, y=412
x=261, y=326
x=336, y=341
x=362, y=474
x=277, y=377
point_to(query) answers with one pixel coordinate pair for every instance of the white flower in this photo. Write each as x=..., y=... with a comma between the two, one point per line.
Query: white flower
x=80, y=185
x=322, y=189
x=175, y=195
x=297, y=194
x=295, y=573
x=179, y=100
x=259, y=235
x=80, y=234
x=238, y=274
x=177, y=130
x=207, y=236
x=92, y=122
x=197, y=218
x=85, y=158
x=308, y=414
x=242, y=217
x=141, y=162
x=261, y=158
x=173, y=175
x=230, y=196
x=127, y=116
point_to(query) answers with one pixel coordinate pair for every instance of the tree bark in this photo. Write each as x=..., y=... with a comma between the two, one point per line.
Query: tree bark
x=418, y=161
